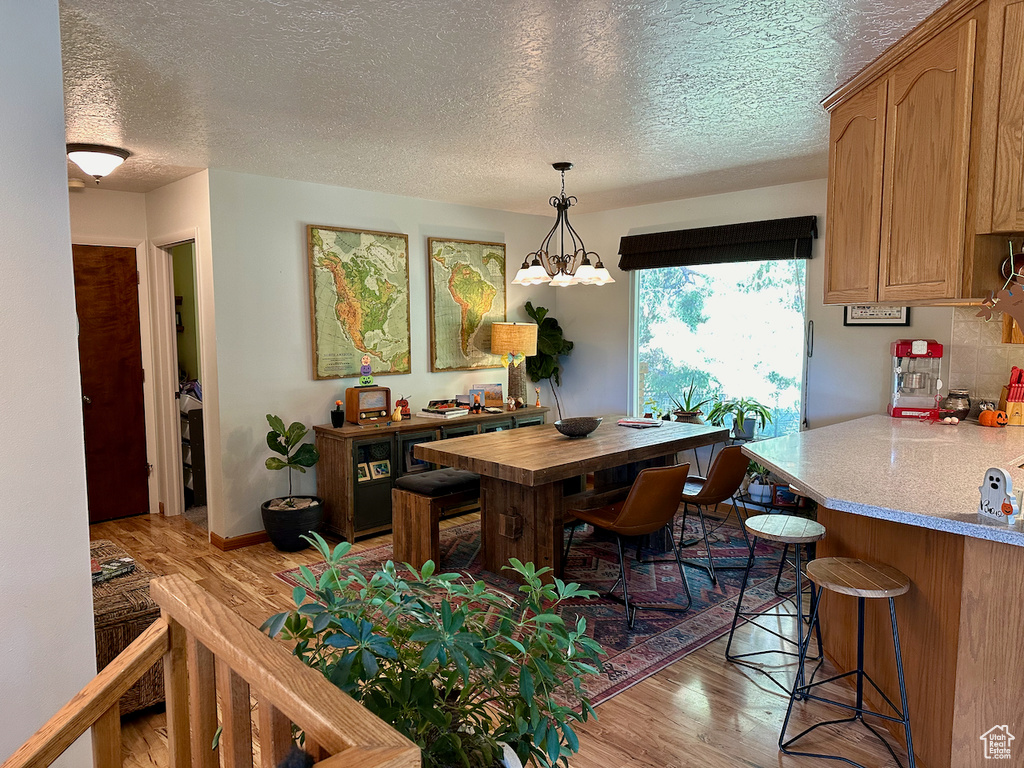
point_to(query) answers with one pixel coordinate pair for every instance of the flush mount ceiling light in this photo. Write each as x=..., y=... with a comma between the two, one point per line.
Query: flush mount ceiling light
x=96, y=159
x=569, y=263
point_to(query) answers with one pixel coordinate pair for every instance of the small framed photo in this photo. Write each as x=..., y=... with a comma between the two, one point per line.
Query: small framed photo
x=412, y=464
x=380, y=469
x=867, y=314
x=362, y=472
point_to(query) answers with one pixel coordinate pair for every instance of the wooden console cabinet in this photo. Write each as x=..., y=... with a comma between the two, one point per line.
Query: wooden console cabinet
x=926, y=162
x=353, y=507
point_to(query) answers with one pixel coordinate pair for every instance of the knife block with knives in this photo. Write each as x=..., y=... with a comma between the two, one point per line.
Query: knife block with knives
x=1012, y=399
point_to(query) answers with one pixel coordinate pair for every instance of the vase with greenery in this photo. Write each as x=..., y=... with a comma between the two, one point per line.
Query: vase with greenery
x=745, y=413
x=687, y=408
x=455, y=665
x=551, y=345
x=288, y=518
x=757, y=482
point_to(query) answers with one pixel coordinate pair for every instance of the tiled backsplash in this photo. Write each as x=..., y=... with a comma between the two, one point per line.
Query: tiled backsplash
x=978, y=361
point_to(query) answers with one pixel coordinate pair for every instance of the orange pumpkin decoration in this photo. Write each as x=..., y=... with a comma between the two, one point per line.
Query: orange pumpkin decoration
x=992, y=418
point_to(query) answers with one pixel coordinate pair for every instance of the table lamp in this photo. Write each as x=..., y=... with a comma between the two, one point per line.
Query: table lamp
x=515, y=342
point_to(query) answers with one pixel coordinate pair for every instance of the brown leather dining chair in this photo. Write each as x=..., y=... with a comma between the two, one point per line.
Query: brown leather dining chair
x=651, y=505
x=723, y=480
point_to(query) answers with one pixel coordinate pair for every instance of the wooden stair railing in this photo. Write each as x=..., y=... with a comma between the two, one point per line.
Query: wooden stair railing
x=210, y=652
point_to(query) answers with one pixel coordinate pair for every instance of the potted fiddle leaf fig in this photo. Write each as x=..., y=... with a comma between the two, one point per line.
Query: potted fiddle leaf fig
x=475, y=677
x=288, y=519
x=551, y=345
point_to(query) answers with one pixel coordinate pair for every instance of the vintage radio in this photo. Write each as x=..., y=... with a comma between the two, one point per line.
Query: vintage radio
x=367, y=405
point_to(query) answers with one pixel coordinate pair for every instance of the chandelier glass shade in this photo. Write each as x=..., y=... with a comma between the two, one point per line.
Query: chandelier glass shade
x=96, y=159
x=562, y=258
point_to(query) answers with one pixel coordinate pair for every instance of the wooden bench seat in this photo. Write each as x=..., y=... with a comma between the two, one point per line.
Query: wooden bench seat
x=417, y=504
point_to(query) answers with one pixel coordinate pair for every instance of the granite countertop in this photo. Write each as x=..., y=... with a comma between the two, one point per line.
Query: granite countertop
x=902, y=470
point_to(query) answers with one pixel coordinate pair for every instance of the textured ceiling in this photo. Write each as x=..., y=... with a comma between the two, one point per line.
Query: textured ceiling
x=469, y=102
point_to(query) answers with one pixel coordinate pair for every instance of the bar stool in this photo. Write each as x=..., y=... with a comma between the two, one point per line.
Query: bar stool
x=863, y=580
x=798, y=533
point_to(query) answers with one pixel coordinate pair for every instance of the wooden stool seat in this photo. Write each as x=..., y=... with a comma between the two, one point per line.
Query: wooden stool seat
x=786, y=529
x=850, y=576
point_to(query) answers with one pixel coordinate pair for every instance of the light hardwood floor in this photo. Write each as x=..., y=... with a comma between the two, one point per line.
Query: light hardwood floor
x=701, y=711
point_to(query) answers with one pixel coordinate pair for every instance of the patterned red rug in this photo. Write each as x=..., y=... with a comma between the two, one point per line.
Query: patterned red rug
x=658, y=638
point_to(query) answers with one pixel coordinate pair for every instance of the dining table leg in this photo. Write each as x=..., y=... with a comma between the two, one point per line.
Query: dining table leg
x=521, y=521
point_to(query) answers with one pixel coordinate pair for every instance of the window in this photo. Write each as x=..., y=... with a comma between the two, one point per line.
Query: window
x=735, y=330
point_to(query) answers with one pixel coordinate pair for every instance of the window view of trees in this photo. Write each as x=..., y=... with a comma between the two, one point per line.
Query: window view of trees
x=734, y=330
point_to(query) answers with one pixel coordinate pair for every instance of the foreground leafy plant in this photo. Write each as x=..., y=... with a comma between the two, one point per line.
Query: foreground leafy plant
x=451, y=663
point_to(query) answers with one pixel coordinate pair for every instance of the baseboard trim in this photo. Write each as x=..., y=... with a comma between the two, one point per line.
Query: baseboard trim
x=237, y=542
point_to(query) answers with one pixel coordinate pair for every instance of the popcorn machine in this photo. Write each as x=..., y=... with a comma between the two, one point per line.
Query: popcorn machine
x=916, y=367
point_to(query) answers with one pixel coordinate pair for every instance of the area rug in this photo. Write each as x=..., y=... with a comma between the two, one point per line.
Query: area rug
x=658, y=638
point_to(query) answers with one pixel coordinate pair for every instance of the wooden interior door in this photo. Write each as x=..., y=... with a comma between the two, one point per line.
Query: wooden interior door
x=110, y=355
x=856, y=148
x=924, y=197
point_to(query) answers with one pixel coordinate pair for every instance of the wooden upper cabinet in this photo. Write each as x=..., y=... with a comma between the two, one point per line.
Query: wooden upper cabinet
x=856, y=148
x=1008, y=181
x=927, y=153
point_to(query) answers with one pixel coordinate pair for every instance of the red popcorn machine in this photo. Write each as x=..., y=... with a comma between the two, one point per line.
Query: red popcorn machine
x=916, y=367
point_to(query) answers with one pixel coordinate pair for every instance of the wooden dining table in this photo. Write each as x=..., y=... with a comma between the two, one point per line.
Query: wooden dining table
x=524, y=474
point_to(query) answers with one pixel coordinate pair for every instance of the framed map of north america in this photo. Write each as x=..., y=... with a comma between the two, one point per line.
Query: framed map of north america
x=359, y=301
x=467, y=294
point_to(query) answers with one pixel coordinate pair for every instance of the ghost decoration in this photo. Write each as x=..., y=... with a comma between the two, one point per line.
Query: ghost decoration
x=998, y=502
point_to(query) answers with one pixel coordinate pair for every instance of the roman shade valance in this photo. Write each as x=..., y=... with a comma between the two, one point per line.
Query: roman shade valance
x=749, y=241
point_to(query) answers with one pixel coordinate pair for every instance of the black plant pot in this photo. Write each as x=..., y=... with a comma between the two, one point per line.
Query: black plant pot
x=286, y=527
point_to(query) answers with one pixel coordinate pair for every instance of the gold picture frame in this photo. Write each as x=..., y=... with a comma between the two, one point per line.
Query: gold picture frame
x=358, y=301
x=453, y=345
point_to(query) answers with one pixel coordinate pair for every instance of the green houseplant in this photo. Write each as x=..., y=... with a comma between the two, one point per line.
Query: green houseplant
x=688, y=408
x=745, y=412
x=287, y=519
x=757, y=482
x=456, y=666
x=551, y=344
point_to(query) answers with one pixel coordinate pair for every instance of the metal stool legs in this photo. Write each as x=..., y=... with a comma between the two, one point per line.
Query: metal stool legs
x=710, y=567
x=632, y=608
x=742, y=617
x=804, y=691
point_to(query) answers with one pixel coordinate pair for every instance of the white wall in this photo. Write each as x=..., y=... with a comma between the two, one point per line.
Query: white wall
x=263, y=331
x=101, y=216
x=848, y=375
x=47, y=651
x=176, y=213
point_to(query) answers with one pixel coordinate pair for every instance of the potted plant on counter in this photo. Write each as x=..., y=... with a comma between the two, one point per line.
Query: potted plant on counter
x=745, y=412
x=288, y=519
x=475, y=677
x=688, y=409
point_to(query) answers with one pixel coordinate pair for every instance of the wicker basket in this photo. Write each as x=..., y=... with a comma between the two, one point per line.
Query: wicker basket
x=122, y=610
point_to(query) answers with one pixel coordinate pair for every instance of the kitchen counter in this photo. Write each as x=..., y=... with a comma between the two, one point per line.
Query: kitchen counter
x=901, y=470
x=905, y=493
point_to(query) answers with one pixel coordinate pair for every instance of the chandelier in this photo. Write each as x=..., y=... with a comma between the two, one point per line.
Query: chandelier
x=569, y=263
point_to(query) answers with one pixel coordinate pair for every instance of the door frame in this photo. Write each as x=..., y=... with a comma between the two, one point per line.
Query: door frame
x=168, y=468
x=149, y=393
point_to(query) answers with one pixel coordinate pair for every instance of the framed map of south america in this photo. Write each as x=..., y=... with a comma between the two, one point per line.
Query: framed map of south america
x=358, y=301
x=467, y=294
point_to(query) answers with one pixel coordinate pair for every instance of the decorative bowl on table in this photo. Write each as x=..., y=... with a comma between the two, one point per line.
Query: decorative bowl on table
x=578, y=426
